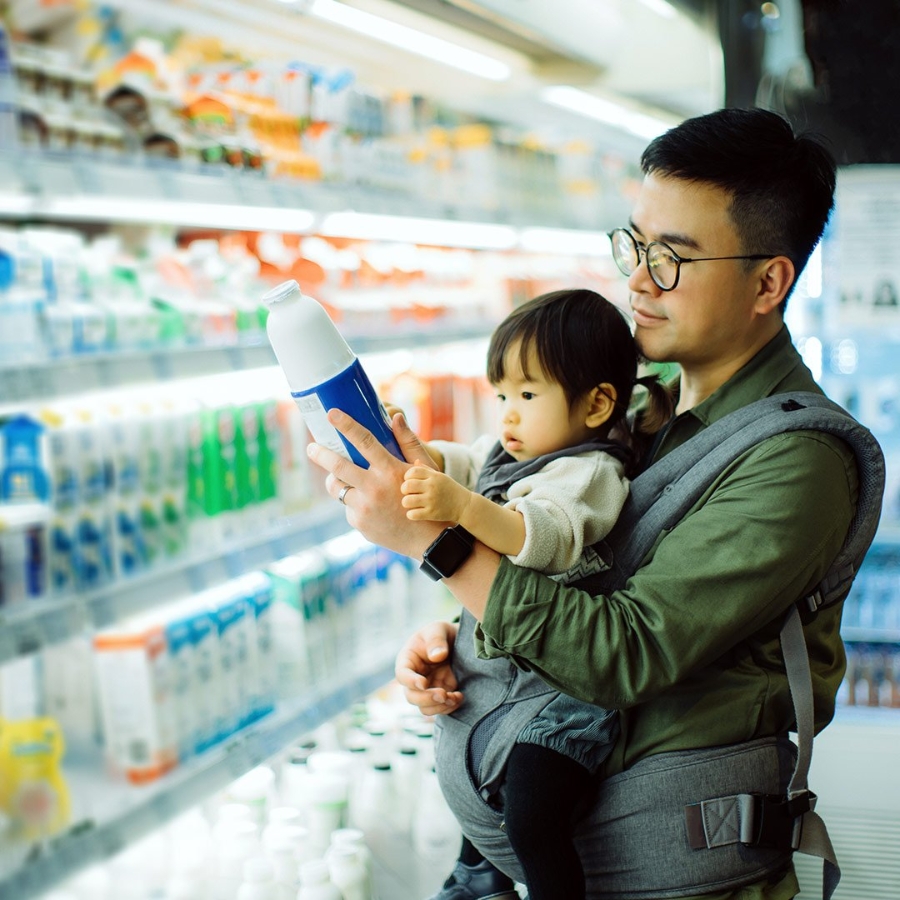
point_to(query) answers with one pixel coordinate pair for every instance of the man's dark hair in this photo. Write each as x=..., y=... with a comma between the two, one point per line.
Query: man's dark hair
x=580, y=339
x=781, y=184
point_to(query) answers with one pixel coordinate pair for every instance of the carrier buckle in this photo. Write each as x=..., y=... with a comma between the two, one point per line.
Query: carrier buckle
x=776, y=820
x=810, y=605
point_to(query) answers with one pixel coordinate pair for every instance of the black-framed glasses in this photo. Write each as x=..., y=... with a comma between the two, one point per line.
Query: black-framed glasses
x=663, y=263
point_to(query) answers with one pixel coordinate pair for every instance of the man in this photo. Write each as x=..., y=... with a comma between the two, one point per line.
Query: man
x=731, y=206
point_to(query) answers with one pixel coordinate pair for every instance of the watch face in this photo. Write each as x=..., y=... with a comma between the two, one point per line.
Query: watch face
x=449, y=551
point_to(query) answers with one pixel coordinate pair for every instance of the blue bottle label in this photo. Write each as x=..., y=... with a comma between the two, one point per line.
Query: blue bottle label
x=352, y=393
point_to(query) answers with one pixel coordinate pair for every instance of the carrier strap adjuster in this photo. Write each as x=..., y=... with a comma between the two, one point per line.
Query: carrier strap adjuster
x=753, y=819
x=776, y=820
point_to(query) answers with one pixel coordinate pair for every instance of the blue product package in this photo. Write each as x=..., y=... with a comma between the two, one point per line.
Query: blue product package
x=179, y=639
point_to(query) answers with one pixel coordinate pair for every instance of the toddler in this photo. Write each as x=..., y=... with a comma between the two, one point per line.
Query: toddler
x=564, y=366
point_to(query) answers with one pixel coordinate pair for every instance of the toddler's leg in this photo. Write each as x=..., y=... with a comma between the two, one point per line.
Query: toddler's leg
x=543, y=789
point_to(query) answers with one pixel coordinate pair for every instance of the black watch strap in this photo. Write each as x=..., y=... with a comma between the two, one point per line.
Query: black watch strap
x=449, y=550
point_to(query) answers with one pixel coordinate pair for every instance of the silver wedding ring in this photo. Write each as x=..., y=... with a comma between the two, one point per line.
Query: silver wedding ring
x=343, y=492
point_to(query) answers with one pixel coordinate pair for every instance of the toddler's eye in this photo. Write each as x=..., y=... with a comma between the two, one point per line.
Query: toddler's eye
x=527, y=395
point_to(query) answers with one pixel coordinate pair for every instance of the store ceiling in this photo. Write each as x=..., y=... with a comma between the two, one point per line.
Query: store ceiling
x=663, y=54
x=830, y=65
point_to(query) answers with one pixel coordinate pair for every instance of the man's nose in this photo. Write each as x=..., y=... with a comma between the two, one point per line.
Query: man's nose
x=640, y=282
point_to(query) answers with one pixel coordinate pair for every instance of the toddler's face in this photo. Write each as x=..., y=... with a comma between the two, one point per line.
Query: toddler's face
x=534, y=414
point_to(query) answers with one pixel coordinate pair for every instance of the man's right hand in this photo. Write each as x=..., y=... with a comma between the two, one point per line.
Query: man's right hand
x=423, y=670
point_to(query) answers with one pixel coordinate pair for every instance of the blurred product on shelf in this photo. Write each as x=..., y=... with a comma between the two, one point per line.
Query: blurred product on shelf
x=873, y=675
x=34, y=796
x=199, y=105
x=23, y=552
x=280, y=827
x=63, y=296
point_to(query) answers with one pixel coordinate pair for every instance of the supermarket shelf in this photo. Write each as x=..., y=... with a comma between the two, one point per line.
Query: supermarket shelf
x=69, y=376
x=153, y=806
x=26, y=629
x=67, y=187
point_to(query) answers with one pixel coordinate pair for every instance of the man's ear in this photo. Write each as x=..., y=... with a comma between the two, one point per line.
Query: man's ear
x=601, y=404
x=775, y=281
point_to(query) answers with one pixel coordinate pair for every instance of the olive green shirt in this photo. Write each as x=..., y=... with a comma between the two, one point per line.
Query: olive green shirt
x=688, y=650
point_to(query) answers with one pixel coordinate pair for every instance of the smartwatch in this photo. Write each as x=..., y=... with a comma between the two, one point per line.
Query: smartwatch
x=448, y=551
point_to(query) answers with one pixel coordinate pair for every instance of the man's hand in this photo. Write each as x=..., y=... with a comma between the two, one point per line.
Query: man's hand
x=423, y=670
x=432, y=496
x=373, y=500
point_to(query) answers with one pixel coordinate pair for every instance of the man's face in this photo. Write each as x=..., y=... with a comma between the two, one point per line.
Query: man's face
x=708, y=319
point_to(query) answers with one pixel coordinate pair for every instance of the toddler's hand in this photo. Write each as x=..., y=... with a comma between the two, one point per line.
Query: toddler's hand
x=429, y=495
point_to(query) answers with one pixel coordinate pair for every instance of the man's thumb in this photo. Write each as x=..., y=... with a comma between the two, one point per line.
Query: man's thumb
x=413, y=449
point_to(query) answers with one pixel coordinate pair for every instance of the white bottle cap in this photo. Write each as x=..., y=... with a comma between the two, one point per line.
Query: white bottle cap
x=350, y=836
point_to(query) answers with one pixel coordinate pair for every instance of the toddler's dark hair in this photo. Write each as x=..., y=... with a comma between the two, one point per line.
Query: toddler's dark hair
x=580, y=340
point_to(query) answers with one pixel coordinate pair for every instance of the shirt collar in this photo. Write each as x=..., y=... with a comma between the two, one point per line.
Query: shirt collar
x=758, y=378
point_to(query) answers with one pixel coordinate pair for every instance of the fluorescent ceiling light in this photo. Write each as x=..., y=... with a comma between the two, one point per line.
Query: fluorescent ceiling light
x=411, y=40
x=175, y=212
x=564, y=240
x=606, y=111
x=439, y=232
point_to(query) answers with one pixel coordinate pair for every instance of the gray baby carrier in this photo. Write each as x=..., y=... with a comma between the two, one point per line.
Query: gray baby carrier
x=686, y=822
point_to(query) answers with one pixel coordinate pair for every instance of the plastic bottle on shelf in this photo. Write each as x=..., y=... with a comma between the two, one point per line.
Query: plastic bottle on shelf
x=322, y=371
x=287, y=851
x=279, y=819
x=374, y=808
x=259, y=880
x=240, y=844
x=405, y=765
x=316, y=883
x=354, y=839
x=348, y=872
x=327, y=807
x=435, y=831
x=228, y=814
x=254, y=790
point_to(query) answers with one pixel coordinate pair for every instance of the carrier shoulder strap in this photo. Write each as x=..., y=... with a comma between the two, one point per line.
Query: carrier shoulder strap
x=660, y=497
